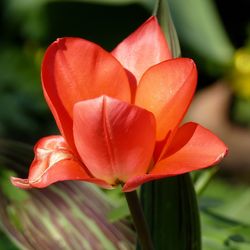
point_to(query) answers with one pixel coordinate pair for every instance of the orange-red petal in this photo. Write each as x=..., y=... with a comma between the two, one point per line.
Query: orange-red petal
x=142, y=49
x=134, y=182
x=166, y=90
x=193, y=147
x=114, y=139
x=75, y=69
x=54, y=162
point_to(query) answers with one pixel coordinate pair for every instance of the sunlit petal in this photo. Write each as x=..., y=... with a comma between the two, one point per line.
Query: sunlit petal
x=114, y=139
x=75, y=69
x=144, y=48
x=167, y=90
x=192, y=148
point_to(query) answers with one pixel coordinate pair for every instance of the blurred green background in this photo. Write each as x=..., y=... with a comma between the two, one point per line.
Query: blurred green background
x=216, y=34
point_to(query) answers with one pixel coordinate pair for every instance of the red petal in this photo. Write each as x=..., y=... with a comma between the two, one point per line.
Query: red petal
x=54, y=162
x=114, y=139
x=192, y=148
x=73, y=70
x=134, y=182
x=144, y=48
x=167, y=90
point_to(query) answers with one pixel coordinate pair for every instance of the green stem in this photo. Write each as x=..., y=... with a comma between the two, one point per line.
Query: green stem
x=139, y=220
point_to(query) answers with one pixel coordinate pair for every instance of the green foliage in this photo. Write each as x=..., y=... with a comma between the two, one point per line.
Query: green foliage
x=5, y=243
x=200, y=30
x=9, y=191
x=241, y=111
x=202, y=178
x=165, y=20
x=70, y=215
x=21, y=94
x=171, y=209
x=225, y=216
x=120, y=210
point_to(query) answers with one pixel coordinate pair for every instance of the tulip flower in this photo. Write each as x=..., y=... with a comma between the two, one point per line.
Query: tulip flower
x=119, y=114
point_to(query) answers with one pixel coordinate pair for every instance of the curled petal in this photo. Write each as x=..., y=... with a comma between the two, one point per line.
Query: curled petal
x=193, y=147
x=166, y=90
x=54, y=162
x=144, y=48
x=114, y=139
x=73, y=70
x=20, y=183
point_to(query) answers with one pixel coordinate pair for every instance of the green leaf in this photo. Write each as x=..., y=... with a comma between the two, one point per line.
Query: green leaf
x=9, y=191
x=172, y=213
x=69, y=215
x=225, y=216
x=199, y=27
x=163, y=14
x=5, y=243
x=203, y=179
x=118, y=213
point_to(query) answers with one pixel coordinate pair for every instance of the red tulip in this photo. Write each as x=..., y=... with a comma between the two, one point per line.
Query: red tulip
x=119, y=114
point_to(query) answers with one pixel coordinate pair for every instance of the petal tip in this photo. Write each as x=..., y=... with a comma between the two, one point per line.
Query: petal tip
x=152, y=19
x=20, y=183
x=222, y=155
x=59, y=39
x=60, y=43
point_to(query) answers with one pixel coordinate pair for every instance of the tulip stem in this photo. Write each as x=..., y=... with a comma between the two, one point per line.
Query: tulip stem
x=140, y=223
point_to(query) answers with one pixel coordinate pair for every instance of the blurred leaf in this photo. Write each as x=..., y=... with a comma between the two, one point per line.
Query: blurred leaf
x=121, y=210
x=163, y=14
x=5, y=243
x=68, y=215
x=21, y=95
x=9, y=191
x=234, y=204
x=28, y=17
x=200, y=29
x=119, y=213
x=240, y=111
x=203, y=179
x=225, y=217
